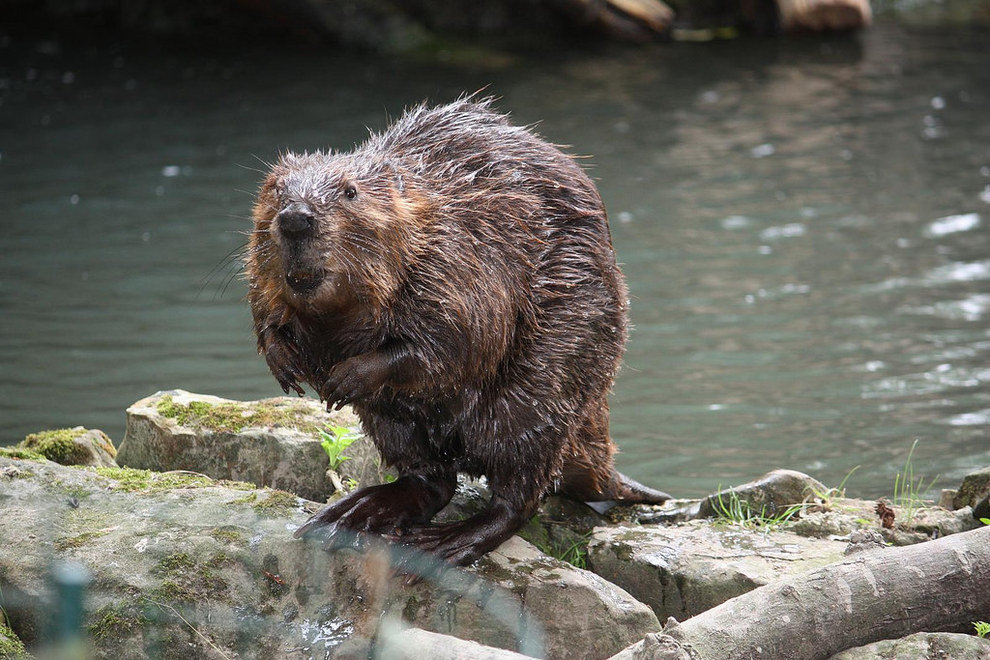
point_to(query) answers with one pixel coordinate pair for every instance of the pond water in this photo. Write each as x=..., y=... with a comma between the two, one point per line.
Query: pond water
x=804, y=223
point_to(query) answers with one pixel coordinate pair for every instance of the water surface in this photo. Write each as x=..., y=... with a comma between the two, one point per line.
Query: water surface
x=805, y=227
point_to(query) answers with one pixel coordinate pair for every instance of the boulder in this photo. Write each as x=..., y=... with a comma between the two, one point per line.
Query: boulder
x=75, y=446
x=271, y=442
x=974, y=487
x=417, y=644
x=842, y=516
x=922, y=646
x=770, y=495
x=683, y=570
x=185, y=566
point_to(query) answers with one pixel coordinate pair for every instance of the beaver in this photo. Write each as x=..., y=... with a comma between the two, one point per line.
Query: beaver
x=453, y=279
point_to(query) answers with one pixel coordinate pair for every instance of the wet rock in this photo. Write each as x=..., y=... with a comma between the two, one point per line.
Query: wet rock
x=686, y=569
x=974, y=487
x=272, y=442
x=655, y=646
x=185, y=566
x=75, y=446
x=981, y=511
x=946, y=497
x=861, y=540
x=770, y=495
x=841, y=516
x=417, y=644
x=922, y=646
x=568, y=610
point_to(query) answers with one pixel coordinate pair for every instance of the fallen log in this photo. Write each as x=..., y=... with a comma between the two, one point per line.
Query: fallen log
x=822, y=15
x=940, y=585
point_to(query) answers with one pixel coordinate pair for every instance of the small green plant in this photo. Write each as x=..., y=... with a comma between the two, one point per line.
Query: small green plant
x=823, y=498
x=335, y=439
x=982, y=628
x=738, y=511
x=907, y=491
x=985, y=521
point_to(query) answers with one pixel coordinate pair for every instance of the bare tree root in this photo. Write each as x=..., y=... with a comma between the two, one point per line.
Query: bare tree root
x=941, y=585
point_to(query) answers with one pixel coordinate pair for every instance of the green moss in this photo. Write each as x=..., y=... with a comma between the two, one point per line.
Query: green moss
x=130, y=480
x=278, y=502
x=114, y=621
x=21, y=454
x=247, y=499
x=68, y=542
x=219, y=559
x=177, y=562
x=186, y=580
x=228, y=536
x=235, y=417
x=170, y=591
x=236, y=485
x=10, y=645
x=58, y=445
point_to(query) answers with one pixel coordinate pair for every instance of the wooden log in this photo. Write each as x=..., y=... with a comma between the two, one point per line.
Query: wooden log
x=822, y=15
x=627, y=20
x=941, y=585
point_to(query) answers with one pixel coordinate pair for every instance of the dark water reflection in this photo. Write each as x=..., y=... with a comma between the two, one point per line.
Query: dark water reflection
x=804, y=226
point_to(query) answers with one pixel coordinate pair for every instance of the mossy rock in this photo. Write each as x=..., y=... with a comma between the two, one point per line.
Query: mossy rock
x=75, y=446
x=10, y=645
x=235, y=416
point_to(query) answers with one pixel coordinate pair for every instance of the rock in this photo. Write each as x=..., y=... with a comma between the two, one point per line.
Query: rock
x=841, y=516
x=272, y=442
x=922, y=646
x=981, y=511
x=655, y=646
x=686, y=569
x=770, y=495
x=75, y=446
x=11, y=647
x=184, y=566
x=417, y=644
x=974, y=487
x=573, y=613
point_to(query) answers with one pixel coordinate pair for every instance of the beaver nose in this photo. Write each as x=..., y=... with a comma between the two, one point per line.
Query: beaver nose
x=296, y=220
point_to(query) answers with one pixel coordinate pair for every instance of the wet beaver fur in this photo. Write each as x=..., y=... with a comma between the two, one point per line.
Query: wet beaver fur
x=453, y=279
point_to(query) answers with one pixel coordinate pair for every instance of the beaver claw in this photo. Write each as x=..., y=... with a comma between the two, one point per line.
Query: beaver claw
x=283, y=358
x=354, y=378
x=461, y=543
x=383, y=509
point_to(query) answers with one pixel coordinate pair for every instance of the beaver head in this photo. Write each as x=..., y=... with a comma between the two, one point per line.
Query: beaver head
x=334, y=231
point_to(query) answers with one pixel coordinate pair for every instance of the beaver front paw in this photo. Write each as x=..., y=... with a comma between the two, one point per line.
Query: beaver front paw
x=284, y=360
x=354, y=378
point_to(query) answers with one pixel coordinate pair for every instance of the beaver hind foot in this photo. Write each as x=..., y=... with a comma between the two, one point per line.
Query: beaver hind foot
x=384, y=509
x=400, y=512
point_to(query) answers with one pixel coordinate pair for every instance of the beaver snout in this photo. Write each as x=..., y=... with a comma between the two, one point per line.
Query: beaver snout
x=296, y=220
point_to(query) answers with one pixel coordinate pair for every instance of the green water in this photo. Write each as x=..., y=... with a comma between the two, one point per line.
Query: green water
x=805, y=227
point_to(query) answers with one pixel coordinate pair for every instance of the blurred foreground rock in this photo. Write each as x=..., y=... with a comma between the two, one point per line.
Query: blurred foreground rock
x=184, y=566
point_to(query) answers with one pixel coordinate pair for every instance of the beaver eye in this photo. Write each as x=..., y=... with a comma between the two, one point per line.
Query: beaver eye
x=350, y=192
